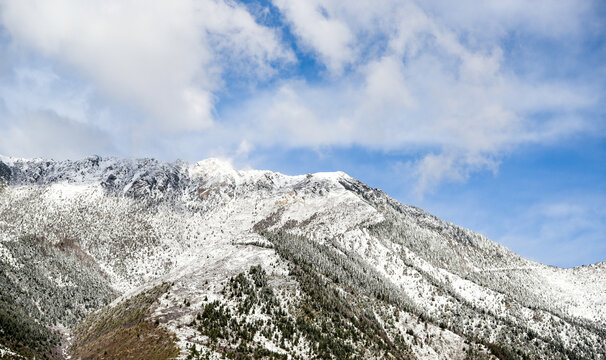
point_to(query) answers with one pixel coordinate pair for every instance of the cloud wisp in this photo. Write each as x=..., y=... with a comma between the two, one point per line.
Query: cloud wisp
x=570, y=231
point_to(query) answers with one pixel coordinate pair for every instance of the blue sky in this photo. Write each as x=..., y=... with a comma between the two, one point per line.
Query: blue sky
x=488, y=114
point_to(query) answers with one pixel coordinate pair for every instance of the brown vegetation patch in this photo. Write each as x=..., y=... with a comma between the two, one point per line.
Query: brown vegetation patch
x=125, y=332
x=143, y=340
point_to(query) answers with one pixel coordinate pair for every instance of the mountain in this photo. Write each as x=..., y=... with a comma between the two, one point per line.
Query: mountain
x=106, y=258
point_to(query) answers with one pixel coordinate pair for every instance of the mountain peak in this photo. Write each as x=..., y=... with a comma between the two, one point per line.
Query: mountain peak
x=331, y=175
x=214, y=169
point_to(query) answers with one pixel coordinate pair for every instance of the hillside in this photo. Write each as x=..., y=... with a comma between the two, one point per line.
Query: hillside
x=143, y=259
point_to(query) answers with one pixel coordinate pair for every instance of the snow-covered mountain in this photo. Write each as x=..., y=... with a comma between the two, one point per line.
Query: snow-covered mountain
x=109, y=258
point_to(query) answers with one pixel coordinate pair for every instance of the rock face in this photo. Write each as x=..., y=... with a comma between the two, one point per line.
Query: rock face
x=205, y=261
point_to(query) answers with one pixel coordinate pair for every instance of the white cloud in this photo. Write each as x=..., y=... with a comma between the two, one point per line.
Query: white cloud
x=433, y=169
x=318, y=28
x=563, y=231
x=165, y=57
x=489, y=20
x=60, y=138
x=27, y=88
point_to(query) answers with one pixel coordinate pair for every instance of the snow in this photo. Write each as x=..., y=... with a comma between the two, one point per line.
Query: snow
x=330, y=176
x=6, y=257
x=198, y=241
x=10, y=161
x=214, y=170
x=7, y=352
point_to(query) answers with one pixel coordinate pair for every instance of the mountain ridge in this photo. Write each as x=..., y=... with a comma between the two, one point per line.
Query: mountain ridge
x=145, y=222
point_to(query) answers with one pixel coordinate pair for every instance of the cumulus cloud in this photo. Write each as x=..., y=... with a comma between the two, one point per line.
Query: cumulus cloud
x=165, y=57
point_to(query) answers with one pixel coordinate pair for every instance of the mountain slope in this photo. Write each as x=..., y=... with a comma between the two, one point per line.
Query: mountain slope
x=260, y=264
